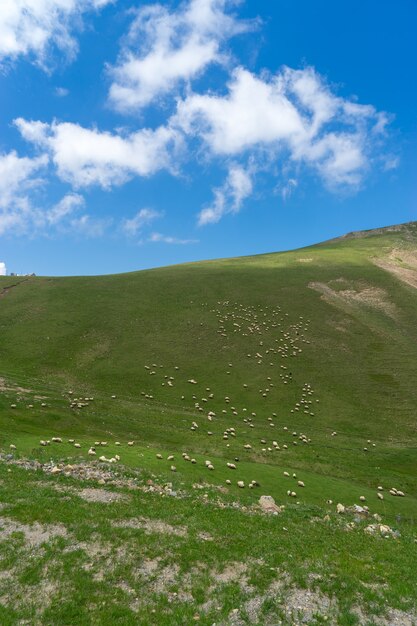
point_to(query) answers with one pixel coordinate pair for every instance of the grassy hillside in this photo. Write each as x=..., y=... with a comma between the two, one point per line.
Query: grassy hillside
x=310, y=356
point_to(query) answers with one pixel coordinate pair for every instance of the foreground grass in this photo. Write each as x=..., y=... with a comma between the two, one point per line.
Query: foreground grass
x=157, y=558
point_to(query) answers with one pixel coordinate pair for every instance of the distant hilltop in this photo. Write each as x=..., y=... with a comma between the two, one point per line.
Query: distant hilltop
x=408, y=228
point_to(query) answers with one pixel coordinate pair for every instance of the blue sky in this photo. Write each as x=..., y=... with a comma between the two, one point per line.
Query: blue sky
x=138, y=134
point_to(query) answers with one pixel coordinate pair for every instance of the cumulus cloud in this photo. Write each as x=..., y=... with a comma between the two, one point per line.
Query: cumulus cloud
x=165, y=49
x=20, y=213
x=142, y=218
x=18, y=176
x=34, y=27
x=282, y=124
x=87, y=157
x=229, y=197
x=292, y=115
x=2, y=269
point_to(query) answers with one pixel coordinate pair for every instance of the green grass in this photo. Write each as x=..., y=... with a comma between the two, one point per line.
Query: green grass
x=327, y=320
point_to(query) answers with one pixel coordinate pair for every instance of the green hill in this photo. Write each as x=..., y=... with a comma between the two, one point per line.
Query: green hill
x=303, y=362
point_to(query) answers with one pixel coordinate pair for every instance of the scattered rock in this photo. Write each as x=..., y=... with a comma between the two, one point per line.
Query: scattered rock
x=268, y=505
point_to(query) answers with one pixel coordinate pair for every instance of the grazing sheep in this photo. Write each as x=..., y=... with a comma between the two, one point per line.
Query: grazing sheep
x=159, y=456
x=170, y=457
x=12, y=446
x=362, y=498
x=300, y=483
x=240, y=484
x=173, y=468
x=77, y=445
x=380, y=495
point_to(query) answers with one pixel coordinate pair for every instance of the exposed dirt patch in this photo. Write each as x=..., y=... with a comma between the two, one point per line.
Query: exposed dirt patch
x=39, y=596
x=360, y=295
x=101, y=495
x=205, y=536
x=148, y=567
x=234, y=572
x=402, y=264
x=394, y=617
x=152, y=526
x=307, y=604
x=166, y=577
x=7, y=386
x=35, y=534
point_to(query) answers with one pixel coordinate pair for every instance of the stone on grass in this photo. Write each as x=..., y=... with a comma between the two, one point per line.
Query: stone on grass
x=268, y=505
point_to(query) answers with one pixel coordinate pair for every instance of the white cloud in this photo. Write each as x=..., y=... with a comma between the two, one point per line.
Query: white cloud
x=287, y=189
x=391, y=162
x=19, y=211
x=166, y=49
x=280, y=124
x=18, y=177
x=3, y=269
x=64, y=208
x=229, y=197
x=88, y=226
x=159, y=238
x=86, y=157
x=293, y=115
x=34, y=27
x=254, y=112
x=142, y=218
x=61, y=92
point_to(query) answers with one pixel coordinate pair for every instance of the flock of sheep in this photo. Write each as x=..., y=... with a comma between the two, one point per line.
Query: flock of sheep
x=273, y=341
